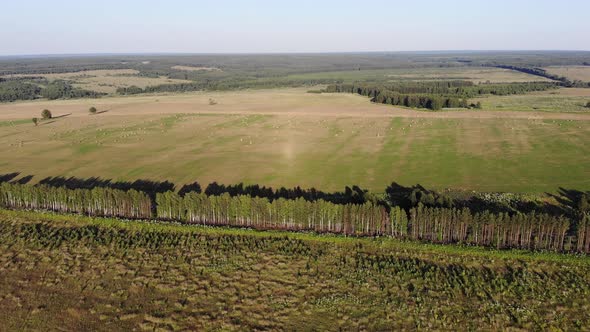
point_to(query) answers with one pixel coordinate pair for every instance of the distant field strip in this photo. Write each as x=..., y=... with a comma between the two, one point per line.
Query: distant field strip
x=581, y=73
x=477, y=75
x=106, y=81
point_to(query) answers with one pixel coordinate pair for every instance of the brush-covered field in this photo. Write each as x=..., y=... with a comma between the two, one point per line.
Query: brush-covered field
x=79, y=273
x=288, y=137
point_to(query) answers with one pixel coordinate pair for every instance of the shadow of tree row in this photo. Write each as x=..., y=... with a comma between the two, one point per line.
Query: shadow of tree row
x=570, y=202
x=350, y=195
x=147, y=186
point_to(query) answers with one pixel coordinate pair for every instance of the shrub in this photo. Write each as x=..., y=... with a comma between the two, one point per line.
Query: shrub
x=46, y=114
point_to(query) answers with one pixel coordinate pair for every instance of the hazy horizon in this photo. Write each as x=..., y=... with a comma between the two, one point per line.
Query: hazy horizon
x=33, y=55
x=65, y=27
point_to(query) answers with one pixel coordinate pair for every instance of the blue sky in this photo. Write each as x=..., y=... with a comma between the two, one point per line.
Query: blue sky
x=107, y=26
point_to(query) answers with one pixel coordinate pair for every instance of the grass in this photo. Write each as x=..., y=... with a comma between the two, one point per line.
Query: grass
x=277, y=137
x=80, y=273
x=287, y=137
x=562, y=100
x=14, y=123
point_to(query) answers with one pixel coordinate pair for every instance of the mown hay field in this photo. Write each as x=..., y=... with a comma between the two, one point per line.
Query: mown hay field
x=286, y=137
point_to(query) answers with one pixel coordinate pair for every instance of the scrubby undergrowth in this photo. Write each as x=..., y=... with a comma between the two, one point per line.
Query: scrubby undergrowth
x=76, y=272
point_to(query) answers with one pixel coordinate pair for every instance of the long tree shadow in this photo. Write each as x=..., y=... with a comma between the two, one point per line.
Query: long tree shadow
x=350, y=195
x=61, y=116
x=477, y=204
x=24, y=179
x=570, y=199
x=194, y=187
x=8, y=176
x=408, y=197
x=147, y=186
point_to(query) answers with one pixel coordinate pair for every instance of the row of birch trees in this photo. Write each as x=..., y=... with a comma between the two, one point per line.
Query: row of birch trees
x=105, y=202
x=583, y=234
x=526, y=231
x=438, y=225
x=262, y=213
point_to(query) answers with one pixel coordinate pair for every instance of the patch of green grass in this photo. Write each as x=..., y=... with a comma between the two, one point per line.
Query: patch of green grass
x=535, y=103
x=87, y=148
x=15, y=123
x=244, y=121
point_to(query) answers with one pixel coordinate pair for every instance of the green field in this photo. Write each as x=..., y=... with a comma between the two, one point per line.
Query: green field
x=291, y=138
x=78, y=273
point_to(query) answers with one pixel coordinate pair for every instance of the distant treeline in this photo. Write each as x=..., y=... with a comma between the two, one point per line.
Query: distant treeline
x=543, y=73
x=435, y=95
x=45, y=66
x=437, y=225
x=33, y=88
x=417, y=98
x=60, y=89
x=222, y=85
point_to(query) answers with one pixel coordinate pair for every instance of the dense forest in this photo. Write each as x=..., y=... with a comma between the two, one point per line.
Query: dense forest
x=274, y=65
x=415, y=221
x=33, y=88
x=435, y=95
x=60, y=89
x=12, y=90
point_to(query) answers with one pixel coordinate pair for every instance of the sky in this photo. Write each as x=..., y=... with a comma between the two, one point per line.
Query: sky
x=265, y=26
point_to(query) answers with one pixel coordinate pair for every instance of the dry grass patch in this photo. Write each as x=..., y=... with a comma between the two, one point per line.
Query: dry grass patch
x=581, y=73
x=193, y=68
x=476, y=75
